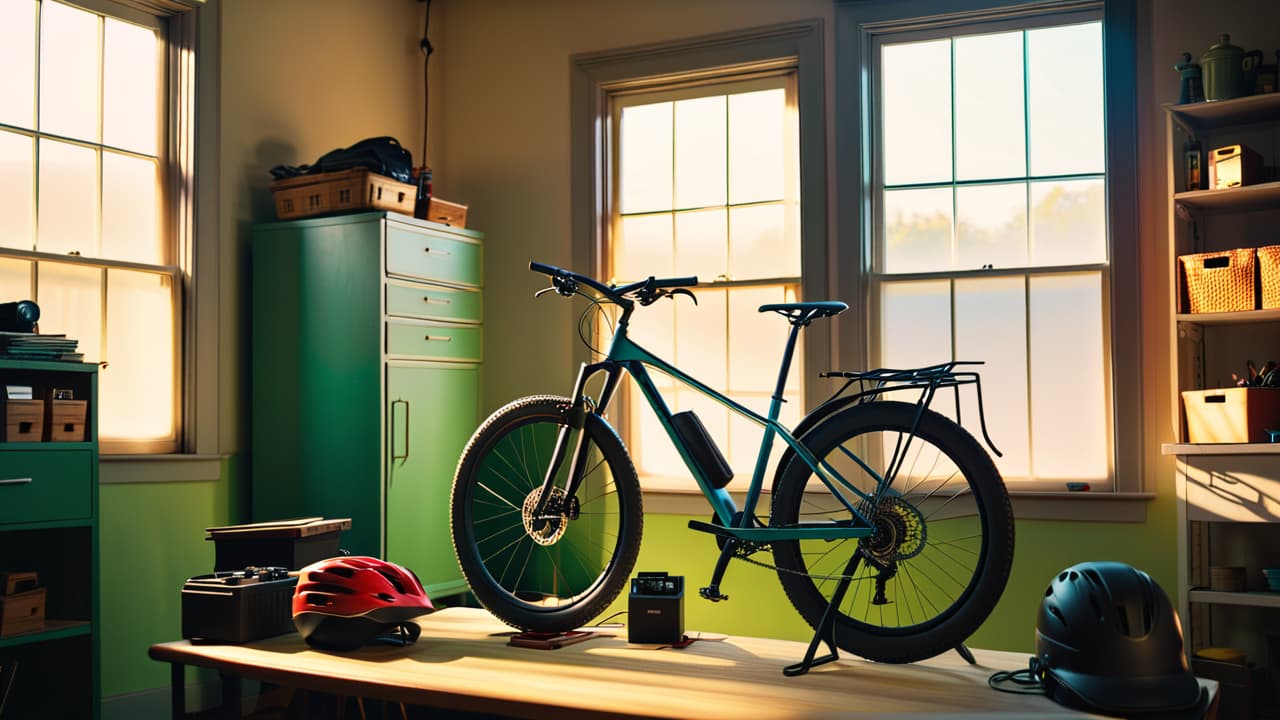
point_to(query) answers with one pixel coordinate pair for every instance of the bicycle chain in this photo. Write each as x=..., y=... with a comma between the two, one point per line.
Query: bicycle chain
x=740, y=555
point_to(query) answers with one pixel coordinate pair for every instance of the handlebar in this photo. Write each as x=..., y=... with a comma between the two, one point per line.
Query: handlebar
x=566, y=281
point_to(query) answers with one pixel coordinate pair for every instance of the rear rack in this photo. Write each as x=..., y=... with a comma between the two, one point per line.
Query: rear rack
x=872, y=384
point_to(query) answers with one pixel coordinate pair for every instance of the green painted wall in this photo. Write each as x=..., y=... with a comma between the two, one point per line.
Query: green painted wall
x=151, y=539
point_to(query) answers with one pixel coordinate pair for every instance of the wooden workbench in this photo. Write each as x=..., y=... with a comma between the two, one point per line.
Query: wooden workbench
x=462, y=661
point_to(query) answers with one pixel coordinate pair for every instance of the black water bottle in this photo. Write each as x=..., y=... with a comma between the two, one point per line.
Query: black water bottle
x=20, y=316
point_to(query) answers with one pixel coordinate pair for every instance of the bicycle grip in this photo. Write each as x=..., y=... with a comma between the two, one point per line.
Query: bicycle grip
x=544, y=268
x=675, y=282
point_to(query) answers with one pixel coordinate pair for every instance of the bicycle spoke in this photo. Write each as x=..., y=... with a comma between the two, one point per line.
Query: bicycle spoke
x=505, y=501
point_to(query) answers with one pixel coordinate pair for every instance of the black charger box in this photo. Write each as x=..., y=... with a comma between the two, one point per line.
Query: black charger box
x=291, y=544
x=237, y=607
x=655, y=609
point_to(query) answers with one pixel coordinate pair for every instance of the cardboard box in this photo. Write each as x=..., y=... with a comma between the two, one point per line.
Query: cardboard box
x=23, y=420
x=1231, y=415
x=22, y=612
x=66, y=420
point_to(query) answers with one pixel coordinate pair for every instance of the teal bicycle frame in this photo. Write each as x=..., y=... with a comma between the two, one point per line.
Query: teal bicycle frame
x=624, y=354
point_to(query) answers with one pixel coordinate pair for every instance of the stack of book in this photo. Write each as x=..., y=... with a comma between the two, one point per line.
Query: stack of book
x=33, y=346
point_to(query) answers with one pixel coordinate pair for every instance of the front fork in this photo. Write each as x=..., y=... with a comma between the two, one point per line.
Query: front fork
x=576, y=421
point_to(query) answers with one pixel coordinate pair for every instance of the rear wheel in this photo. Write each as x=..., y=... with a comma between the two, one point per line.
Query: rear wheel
x=558, y=571
x=943, y=543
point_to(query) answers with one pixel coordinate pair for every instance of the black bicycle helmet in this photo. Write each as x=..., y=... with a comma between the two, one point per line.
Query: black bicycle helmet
x=1108, y=639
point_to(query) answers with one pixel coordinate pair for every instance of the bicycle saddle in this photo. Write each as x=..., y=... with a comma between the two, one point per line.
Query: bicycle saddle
x=803, y=312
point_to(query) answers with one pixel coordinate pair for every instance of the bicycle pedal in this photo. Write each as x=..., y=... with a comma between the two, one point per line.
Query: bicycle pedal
x=712, y=593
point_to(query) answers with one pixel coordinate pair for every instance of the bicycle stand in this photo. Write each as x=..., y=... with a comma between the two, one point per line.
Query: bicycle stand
x=826, y=632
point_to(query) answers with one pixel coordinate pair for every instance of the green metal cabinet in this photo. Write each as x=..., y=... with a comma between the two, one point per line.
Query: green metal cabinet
x=49, y=525
x=366, y=345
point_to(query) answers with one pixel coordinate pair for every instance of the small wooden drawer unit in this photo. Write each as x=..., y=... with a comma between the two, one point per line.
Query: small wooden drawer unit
x=432, y=256
x=434, y=303
x=23, y=421
x=36, y=486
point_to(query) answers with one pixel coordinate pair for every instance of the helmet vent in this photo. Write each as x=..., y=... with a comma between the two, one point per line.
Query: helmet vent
x=345, y=572
x=329, y=589
x=395, y=582
x=1053, y=610
x=1123, y=618
x=386, y=597
x=1097, y=609
x=1094, y=577
x=318, y=600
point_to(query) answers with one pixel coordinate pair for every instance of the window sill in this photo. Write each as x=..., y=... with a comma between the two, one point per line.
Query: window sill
x=159, y=468
x=1083, y=506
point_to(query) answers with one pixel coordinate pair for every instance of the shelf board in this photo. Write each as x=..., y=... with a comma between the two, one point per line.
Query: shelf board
x=1220, y=449
x=1246, y=197
x=1237, y=111
x=47, y=445
x=53, y=630
x=1244, y=317
x=1253, y=599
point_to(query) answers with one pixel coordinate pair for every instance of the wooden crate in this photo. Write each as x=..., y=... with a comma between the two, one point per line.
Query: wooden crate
x=447, y=213
x=346, y=190
x=12, y=583
x=22, y=613
x=23, y=420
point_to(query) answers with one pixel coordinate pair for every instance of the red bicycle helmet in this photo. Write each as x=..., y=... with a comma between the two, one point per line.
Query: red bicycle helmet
x=344, y=602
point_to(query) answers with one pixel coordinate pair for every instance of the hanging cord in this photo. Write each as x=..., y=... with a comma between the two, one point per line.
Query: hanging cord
x=584, y=325
x=427, y=49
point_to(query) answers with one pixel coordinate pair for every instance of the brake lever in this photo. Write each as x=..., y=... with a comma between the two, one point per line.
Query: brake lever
x=543, y=291
x=672, y=293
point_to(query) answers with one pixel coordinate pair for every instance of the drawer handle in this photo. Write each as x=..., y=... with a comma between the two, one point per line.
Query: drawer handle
x=439, y=338
x=438, y=301
x=429, y=251
x=16, y=481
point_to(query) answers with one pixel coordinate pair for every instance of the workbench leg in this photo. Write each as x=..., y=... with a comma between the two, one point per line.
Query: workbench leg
x=230, y=696
x=178, y=690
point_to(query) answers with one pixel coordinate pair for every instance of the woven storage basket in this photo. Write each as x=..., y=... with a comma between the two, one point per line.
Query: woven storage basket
x=1269, y=272
x=1220, y=281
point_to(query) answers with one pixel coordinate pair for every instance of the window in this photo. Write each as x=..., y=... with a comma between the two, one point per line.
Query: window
x=88, y=218
x=706, y=184
x=990, y=232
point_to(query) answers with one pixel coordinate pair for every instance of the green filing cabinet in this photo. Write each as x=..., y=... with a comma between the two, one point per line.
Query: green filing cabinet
x=366, y=370
x=49, y=525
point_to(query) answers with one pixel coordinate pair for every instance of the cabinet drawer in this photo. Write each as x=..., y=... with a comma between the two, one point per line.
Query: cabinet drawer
x=434, y=303
x=412, y=252
x=434, y=342
x=39, y=485
x=1237, y=488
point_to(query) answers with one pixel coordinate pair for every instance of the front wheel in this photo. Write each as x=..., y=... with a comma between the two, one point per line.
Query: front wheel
x=942, y=547
x=558, y=571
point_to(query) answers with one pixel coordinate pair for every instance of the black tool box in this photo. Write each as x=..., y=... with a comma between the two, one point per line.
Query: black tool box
x=236, y=607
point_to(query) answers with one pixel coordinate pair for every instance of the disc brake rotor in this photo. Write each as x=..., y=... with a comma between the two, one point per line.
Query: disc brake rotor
x=547, y=528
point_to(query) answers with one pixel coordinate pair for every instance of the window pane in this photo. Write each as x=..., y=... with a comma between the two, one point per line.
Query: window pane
x=758, y=143
x=700, y=152
x=991, y=225
x=744, y=436
x=643, y=246
x=991, y=326
x=756, y=341
x=990, y=135
x=130, y=209
x=645, y=158
x=653, y=328
x=68, y=198
x=1068, y=385
x=70, y=299
x=917, y=111
x=700, y=244
x=764, y=242
x=131, y=82
x=701, y=332
x=1068, y=222
x=18, y=58
x=15, y=280
x=917, y=228
x=651, y=449
x=1064, y=69
x=915, y=323
x=137, y=387
x=17, y=198
x=69, y=71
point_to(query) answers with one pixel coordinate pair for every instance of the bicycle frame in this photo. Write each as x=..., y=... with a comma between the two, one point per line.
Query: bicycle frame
x=624, y=354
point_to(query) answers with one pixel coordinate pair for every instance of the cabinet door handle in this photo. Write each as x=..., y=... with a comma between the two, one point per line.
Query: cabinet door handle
x=394, y=456
x=16, y=481
x=437, y=251
x=437, y=338
x=437, y=301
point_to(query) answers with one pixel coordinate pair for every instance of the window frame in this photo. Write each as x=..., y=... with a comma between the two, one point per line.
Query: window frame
x=595, y=76
x=859, y=25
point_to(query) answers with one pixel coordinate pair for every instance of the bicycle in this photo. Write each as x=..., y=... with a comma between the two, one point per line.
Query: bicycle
x=546, y=514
